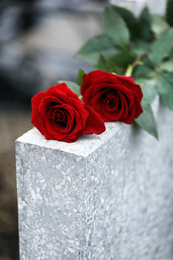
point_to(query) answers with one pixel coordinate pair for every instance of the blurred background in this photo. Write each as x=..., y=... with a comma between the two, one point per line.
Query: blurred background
x=38, y=42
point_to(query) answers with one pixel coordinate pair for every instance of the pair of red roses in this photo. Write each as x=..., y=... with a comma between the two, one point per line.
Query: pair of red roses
x=59, y=114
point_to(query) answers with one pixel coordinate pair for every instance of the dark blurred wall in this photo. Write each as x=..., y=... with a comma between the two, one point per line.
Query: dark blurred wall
x=20, y=73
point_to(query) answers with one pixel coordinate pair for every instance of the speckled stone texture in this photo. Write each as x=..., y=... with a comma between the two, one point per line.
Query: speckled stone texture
x=107, y=197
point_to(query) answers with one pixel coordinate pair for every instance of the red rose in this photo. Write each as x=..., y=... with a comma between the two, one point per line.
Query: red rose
x=59, y=114
x=114, y=97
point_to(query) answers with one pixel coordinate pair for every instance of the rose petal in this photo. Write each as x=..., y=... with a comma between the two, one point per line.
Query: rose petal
x=51, y=132
x=95, y=124
x=128, y=83
x=66, y=123
x=63, y=87
x=125, y=104
x=78, y=105
x=47, y=102
x=36, y=119
x=131, y=115
x=89, y=79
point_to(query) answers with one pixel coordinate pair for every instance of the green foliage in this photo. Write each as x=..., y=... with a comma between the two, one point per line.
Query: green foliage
x=161, y=48
x=166, y=66
x=145, y=21
x=149, y=89
x=106, y=65
x=140, y=45
x=143, y=71
x=146, y=119
x=115, y=27
x=169, y=12
x=94, y=47
x=73, y=86
x=165, y=89
x=122, y=59
x=158, y=25
x=81, y=73
x=131, y=21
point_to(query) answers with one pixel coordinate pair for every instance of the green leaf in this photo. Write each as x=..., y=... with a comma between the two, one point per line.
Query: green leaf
x=143, y=71
x=122, y=59
x=141, y=47
x=171, y=54
x=149, y=87
x=106, y=65
x=131, y=21
x=169, y=12
x=165, y=89
x=161, y=47
x=93, y=47
x=147, y=62
x=71, y=85
x=81, y=73
x=115, y=27
x=166, y=66
x=146, y=119
x=149, y=91
x=158, y=24
x=145, y=21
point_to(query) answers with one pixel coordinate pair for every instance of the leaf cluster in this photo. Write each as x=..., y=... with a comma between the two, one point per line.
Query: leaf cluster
x=145, y=45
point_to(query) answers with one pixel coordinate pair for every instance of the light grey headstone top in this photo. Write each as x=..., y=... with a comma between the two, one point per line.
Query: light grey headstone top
x=83, y=147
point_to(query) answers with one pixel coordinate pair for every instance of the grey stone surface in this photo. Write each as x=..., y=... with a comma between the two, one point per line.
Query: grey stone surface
x=107, y=197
